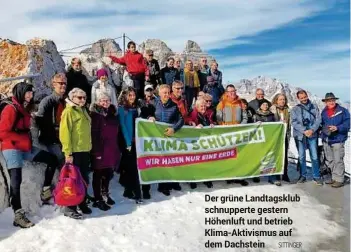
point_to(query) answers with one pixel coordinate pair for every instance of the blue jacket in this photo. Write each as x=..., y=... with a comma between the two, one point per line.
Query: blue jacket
x=168, y=113
x=169, y=75
x=127, y=118
x=341, y=119
x=308, y=113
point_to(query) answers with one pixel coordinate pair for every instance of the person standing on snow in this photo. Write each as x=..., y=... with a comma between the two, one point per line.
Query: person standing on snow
x=75, y=136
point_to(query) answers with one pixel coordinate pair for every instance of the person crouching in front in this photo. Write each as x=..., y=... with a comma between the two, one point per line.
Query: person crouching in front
x=105, y=150
x=75, y=136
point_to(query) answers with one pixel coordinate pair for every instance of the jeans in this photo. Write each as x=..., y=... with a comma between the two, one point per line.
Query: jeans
x=311, y=144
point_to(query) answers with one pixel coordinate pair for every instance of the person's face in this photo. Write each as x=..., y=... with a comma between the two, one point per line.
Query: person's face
x=303, y=98
x=149, y=92
x=103, y=78
x=177, y=64
x=131, y=98
x=259, y=95
x=189, y=65
x=79, y=99
x=149, y=57
x=201, y=108
x=105, y=103
x=330, y=103
x=28, y=96
x=164, y=94
x=208, y=103
x=203, y=62
x=60, y=85
x=178, y=90
x=132, y=48
x=244, y=106
x=264, y=107
x=231, y=93
x=170, y=63
x=214, y=66
x=77, y=65
x=281, y=101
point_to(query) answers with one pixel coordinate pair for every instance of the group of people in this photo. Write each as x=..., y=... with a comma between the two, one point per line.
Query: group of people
x=89, y=127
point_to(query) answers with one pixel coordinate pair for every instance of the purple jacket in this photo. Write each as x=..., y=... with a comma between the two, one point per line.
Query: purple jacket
x=104, y=134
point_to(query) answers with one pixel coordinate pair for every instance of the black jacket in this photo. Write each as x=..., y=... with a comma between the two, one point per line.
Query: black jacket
x=46, y=125
x=155, y=73
x=146, y=109
x=78, y=80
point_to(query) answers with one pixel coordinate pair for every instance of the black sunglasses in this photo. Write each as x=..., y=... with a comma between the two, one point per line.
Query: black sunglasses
x=179, y=88
x=81, y=97
x=149, y=90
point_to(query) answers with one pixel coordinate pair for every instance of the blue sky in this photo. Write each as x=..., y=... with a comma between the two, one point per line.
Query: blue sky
x=304, y=43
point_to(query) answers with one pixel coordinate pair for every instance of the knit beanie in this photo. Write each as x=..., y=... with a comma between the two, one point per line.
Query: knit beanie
x=260, y=102
x=101, y=72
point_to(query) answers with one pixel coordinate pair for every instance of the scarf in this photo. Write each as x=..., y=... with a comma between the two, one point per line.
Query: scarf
x=191, y=78
x=330, y=112
x=282, y=114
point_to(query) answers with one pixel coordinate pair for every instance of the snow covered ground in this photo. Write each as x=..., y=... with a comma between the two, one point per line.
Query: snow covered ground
x=177, y=223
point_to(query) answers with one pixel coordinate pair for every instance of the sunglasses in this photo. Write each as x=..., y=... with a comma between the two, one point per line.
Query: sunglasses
x=208, y=100
x=149, y=90
x=151, y=55
x=61, y=83
x=81, y=97
x=179, y=88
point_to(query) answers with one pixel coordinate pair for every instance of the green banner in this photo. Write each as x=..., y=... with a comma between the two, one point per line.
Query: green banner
x=208, y=154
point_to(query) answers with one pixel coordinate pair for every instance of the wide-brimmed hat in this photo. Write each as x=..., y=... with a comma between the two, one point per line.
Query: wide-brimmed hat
x=329, y=96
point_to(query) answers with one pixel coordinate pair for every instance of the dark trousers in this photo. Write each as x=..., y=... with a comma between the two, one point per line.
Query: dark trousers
x=101, y=182
x=286, y=160
x=129, y=177
x=167, y=186
x=16, y=176
x=190, y=94
x=139, y=84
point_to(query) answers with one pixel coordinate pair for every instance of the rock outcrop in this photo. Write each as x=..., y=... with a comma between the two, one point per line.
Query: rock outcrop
x=161, y=50
x=37, y=56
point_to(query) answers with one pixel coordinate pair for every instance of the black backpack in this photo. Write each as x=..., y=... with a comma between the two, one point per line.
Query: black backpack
x=4, y=101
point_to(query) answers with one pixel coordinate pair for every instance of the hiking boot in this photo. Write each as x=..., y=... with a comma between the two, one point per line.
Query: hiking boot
x=46, y=194
x=101, y=205
x=256, y=180
x=89, y=199
x=72, y=213
x=277, y=183
x=109, y=200
x=176, y=187
x=193, y=185
x=230, y=181
x=21, y=220
x=146, y=195
x=242, y=182
x=165, y=192
x=84, y=208
x=330, y=182
x=318, y=181
x=337, y=184
x=128, y=194
x=208, y=184
x=301, y=180
x=139, y=201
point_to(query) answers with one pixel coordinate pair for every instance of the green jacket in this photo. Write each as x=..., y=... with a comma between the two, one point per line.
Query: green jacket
x=75, y=129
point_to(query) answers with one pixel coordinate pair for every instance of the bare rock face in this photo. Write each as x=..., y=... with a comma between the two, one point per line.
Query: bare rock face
x=160, y=49
x=37, y=56
x=103, y=48
x=192, y=47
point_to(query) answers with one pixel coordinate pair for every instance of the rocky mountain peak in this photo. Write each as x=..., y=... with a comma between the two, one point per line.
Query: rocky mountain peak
x=102, y=48
x=192, y=47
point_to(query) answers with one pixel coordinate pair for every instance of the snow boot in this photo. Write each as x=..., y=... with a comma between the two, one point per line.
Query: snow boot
x=128, y=193
x=84, y=208
x=256, y=180
x=193, y=185
x=208, y=184
x=146, y=195
x=71, y=212
x=21, y=220
x=109, y=200
x=101, y=205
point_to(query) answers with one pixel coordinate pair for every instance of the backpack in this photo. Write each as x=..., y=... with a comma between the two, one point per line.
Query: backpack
x=4, y=101
x=71, y=187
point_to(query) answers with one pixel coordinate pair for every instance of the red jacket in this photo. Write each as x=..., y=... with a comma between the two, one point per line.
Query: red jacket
x=9, y=139
x=210, y=113
x=135, y=63
x=194, y=117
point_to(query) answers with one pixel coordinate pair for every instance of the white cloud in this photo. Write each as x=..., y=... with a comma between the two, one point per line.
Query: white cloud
x=213, y=24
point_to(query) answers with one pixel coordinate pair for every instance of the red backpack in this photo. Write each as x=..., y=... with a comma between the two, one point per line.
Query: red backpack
x=71, y=188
